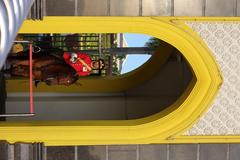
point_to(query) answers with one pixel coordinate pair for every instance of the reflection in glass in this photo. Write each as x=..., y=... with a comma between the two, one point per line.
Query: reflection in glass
x=133, y=61
x=120, y=52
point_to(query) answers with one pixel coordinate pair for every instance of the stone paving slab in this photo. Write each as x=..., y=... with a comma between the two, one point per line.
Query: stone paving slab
x=92, y=8
x=156, y=7
x=60, y=7
x=3, y=150
x=183, y=152
x=213, y=152
x=220, y=8
x=188, y=7
x=21, y=151
x=122, y=147
x=91, y=152
x=60, y=153
x=124, y=8
x=142, y=7
x=153, y=152
x=238, y=7
x=234, y=151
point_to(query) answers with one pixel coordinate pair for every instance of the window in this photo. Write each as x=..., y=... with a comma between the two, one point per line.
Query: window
x=125, y=55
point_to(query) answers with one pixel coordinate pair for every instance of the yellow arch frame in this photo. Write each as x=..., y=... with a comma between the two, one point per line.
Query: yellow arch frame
x=158, y=128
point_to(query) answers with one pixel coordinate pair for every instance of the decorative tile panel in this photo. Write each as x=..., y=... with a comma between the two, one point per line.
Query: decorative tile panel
x=223, y=116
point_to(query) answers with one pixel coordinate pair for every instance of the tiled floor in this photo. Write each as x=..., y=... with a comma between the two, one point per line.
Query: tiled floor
x=63, y=153
x=123, y=152
x=142, y=8
x=149, y=152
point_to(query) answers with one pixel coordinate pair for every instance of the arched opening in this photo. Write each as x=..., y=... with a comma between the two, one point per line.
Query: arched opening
x=124, y=54
x=156, y=128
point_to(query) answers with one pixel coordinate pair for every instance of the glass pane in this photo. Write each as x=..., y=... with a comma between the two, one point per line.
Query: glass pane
x=56, y=57
x=133, y=61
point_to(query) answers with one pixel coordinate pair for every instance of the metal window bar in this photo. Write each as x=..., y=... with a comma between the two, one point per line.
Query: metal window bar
x=91, y=36
x=31, y=113
x=100, y=45
x=86, y=42
x=96, y=45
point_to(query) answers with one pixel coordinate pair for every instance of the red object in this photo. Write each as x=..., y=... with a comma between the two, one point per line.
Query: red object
x=78, y=66
x=31, y=78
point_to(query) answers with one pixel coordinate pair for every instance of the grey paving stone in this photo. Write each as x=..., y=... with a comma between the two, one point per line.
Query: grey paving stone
x=122, y=147
x=213, y=152
x=124, y=8
x=22, y=151
x=91, y=152
x=153, y=152
x=188, y=7
x=11, y=152
x=92, y=7
x=3, y=150
x=31, y=153
x=156, y=7
x=234, y=151
x=25, y=152
x=220, y=7
x=238, y=8
x=60, y=7
x=60, y=153
x=37, y=151
x=122, y=152
x=17, y=151
x=183, y=152
x=122, y=155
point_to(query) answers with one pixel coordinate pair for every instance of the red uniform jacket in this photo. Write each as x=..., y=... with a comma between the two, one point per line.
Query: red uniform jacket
x=78, y=66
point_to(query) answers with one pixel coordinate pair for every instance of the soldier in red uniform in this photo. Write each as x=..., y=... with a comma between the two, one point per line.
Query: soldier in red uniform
x=82, y=63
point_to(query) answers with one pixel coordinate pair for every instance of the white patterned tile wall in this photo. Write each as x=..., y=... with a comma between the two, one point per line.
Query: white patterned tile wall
x=223, y=116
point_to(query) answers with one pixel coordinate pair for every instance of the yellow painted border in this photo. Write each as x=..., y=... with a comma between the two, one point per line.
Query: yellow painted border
x=159, y=128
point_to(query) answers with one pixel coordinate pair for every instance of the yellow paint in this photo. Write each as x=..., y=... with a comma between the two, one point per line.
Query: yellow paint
x=205, y=139
x=159, y=128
